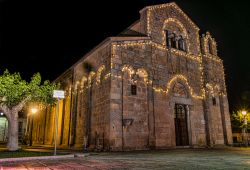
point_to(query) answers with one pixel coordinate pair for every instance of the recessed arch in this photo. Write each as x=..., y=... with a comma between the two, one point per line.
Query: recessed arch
x=210, y=44
x=90, y=77
x=183, y=81
x=129, y=69
x=77, y=83
x=83, y=81
x=184, y=33
x=177, y=22
x=141, y=72
x=212, y=89
x=179, y=90
x=99, y=73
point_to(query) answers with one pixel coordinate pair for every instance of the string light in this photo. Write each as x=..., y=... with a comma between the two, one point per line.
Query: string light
x=160, y=46
x=166, y=22
x=143, y=73
x=91, y=75
x=151, y=8
x=129, y=69
x=98, y=74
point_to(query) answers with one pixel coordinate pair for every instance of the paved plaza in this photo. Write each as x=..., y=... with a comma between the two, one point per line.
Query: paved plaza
x=230, y=158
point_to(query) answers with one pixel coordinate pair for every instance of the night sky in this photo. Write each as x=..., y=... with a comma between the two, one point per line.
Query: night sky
x=46, y=37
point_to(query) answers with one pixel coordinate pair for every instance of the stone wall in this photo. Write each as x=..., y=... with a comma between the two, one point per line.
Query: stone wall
x=100, y=110
x=76, y=110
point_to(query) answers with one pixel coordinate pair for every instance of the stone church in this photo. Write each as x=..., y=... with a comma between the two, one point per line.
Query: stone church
x=158, y=84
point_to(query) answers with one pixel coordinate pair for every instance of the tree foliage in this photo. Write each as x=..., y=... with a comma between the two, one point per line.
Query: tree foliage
x=13, y=89
x=237, y=120
x=15, y=93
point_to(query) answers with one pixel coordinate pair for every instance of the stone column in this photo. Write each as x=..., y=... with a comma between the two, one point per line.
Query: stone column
x=151, y=116
x=189, y=125
x=226, y=122
x=116, y=114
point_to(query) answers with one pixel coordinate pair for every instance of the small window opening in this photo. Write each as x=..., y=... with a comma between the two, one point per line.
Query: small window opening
x=133, y=89
x=214, y=101
x=210, y=48
x=181, y=44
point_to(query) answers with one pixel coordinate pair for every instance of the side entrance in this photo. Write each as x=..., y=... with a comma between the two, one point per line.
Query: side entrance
x=181, y=127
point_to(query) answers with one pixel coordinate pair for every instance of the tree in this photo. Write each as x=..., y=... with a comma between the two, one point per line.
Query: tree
x=237, y=120
x=15, y=93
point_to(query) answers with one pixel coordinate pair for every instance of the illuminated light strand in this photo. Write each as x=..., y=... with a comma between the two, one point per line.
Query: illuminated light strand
x=107, y=76
x=99, y=73
x=176, y=21
x=199, y=59
x=180, y=25
x=169, y=85
x=208, y=55
x=115, y=76
x=150, y=8
x=203, y=92
x=213, y=88
x=112, y=55
x=214, y=58
x=83, y=81
x=76, y=84
x=148, y=22
x=159, y=89
x=181, y=77
x=144, y=74
x=160, y=46
x=129, y=69
x=141, y=72
x=90, y=77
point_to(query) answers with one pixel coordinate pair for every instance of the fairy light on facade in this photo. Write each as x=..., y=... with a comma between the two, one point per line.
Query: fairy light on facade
x=119, y=45
x=99, y=73
x=184, y=31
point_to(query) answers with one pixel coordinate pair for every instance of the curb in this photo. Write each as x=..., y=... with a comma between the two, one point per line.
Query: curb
x=80, y=155
x=36, y=158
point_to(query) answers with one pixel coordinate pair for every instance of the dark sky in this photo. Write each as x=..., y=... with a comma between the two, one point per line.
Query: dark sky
x=48, y=37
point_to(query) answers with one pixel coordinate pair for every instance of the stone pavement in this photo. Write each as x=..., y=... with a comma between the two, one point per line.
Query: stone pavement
x=230, y=158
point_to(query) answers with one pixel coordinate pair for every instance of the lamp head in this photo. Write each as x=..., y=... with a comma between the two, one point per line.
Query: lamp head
x=34, y=110
x=244, y=112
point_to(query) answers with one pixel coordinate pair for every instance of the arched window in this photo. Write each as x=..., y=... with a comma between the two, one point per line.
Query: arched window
x=214, y=101
x=210, y=46
x=167, y=38
x=173, y=40
x=181, y=44
x=170, y=39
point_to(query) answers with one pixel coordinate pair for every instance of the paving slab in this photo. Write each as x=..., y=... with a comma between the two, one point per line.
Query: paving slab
x=166, y=159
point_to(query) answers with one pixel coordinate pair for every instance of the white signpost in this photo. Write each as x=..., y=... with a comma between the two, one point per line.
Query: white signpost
x=59, y=94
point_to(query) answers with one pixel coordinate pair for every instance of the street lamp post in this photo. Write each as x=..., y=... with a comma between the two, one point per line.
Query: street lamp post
x=33, y=111
x=245, y=138
x=58, y=94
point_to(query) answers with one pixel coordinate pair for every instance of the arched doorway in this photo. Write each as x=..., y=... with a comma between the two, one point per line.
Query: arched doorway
x=181, y=127
x=181, y=114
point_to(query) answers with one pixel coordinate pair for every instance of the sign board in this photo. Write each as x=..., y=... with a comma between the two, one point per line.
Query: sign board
x=58, y=94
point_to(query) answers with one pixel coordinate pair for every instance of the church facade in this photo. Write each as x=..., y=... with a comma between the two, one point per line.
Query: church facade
x=158, y=84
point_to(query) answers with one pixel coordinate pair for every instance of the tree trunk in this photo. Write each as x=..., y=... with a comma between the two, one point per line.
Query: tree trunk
x=13, y=132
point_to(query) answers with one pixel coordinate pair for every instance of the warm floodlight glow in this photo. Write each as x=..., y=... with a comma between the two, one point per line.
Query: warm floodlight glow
x=1, y=113
x=34, y=110
x=244, y=112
